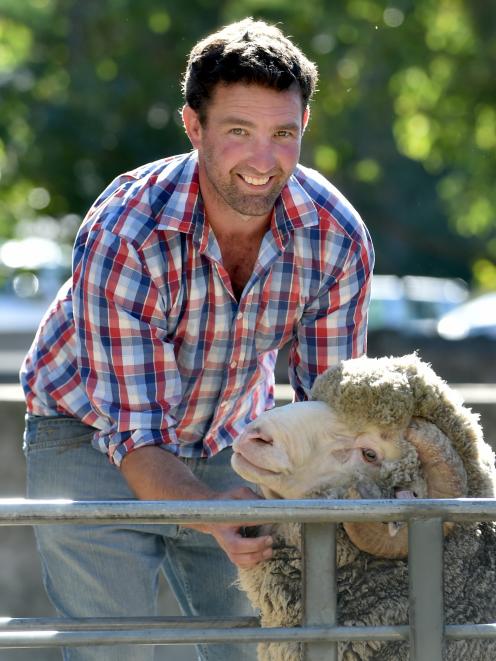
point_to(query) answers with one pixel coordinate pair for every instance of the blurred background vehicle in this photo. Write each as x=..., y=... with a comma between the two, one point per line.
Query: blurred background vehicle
x=413, y=304
x=475, y=318
x=439, y=318
x=31, y=272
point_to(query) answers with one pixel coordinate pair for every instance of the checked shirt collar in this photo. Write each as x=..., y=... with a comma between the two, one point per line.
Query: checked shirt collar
x=184, y=210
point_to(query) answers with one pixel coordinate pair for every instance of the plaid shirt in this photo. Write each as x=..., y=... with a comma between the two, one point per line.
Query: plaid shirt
x=150, y=346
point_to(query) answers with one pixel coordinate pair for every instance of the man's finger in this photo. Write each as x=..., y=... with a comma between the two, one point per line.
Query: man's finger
x=232, y=540
x=246, y=560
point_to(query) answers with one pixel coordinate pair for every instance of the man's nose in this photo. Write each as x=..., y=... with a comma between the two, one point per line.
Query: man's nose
x=262, y=158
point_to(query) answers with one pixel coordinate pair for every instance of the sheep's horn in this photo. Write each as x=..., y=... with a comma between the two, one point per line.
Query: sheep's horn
x=374, y=538
x=445, y=477
x=443, y=469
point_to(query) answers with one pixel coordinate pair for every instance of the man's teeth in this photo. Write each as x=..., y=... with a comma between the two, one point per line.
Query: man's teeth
x=256, y=181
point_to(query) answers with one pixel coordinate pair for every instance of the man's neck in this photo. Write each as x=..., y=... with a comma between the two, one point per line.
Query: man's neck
x=225, y=229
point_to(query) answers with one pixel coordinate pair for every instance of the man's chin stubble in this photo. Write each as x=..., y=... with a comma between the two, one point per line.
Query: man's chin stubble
x=248, y=206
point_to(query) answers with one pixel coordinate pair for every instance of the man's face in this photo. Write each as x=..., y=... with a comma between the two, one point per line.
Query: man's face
x=248, y=146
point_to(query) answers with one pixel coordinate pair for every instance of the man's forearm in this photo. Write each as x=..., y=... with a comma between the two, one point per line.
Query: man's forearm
x=155, y=474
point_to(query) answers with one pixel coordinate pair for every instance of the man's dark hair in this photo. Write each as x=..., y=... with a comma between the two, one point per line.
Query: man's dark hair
x=251, y=52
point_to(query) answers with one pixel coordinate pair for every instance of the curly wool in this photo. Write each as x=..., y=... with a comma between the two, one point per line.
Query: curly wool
x=388, y=392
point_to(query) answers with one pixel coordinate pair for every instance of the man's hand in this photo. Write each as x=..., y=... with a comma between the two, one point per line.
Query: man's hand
x=243, y=551
x=154, y=474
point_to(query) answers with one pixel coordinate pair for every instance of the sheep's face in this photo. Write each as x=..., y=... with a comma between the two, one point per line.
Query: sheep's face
x=297, y=449
x=304, y=449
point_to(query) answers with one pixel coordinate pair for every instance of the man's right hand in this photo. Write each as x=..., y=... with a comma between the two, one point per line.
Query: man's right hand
x=154, y=474
x=244, y=552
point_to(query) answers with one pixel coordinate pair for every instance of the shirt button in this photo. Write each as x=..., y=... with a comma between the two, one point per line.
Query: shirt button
x=239, y=315
x=233, y=364
x=223, y=405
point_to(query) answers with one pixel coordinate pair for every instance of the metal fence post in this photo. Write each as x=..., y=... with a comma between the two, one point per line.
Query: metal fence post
x=319, y=586
x=425, y=575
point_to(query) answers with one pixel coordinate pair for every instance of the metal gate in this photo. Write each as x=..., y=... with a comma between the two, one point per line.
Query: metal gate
x=426, y=631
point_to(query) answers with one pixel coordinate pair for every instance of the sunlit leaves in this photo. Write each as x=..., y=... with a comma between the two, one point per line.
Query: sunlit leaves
x=42, y=5
x=323, y=43
x=485, y=127
x=443, y=122
x=368, y=170
x=393, y=17
x=38, y=198
x=477, y=217
x=53, y=86
x=3, y=157
x=415, y=135
x=14, y=205
x=159, y=22
x=15, y=44
x=365, y=9
x=106, y=69
x=485, y=273
x=448, y=26
x=414, y=90
x=326, y=158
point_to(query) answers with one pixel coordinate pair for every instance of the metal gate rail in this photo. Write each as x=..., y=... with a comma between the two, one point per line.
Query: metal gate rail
x=426, y=630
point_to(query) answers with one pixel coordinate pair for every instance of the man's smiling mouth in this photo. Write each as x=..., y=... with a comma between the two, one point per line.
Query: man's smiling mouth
x=255, y=181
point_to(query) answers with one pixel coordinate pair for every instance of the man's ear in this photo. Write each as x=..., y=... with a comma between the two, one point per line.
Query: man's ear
x=192, y=125
x=306, y=117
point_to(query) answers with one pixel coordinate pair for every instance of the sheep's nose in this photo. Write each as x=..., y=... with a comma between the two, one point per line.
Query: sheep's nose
x=251, y=435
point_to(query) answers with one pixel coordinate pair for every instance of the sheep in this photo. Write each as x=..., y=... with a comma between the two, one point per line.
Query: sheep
x=373, y=428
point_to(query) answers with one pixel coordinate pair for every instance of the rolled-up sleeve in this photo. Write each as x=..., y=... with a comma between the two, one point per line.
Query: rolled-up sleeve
x=127, y=366
x=333, y=326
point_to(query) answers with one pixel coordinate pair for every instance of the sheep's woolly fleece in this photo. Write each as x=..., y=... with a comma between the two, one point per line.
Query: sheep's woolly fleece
x=387, y=392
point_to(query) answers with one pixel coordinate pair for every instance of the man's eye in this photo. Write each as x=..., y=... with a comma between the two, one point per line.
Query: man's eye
x=284, y=134
x=238, y=131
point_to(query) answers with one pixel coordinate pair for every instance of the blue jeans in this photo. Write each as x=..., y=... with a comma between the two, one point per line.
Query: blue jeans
x=113, y=570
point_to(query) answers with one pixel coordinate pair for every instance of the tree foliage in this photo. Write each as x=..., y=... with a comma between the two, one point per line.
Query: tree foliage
x=404, y=121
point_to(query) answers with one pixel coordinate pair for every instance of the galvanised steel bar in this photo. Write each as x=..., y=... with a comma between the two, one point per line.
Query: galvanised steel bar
x=183, y=636
x=319, y=586
x=9, y=624
x=33, y=624
x=36, y=512
x=460, y=631
x=425, y=575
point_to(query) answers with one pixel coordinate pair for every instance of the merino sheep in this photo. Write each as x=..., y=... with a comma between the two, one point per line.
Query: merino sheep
x=375, y=428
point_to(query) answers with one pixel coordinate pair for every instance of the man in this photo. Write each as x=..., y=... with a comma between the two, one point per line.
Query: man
x=189, y=273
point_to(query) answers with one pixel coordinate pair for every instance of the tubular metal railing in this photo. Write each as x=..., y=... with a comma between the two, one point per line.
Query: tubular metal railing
x=426, y=631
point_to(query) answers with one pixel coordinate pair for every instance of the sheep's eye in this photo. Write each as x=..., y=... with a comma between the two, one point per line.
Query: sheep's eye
x=369, y=455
